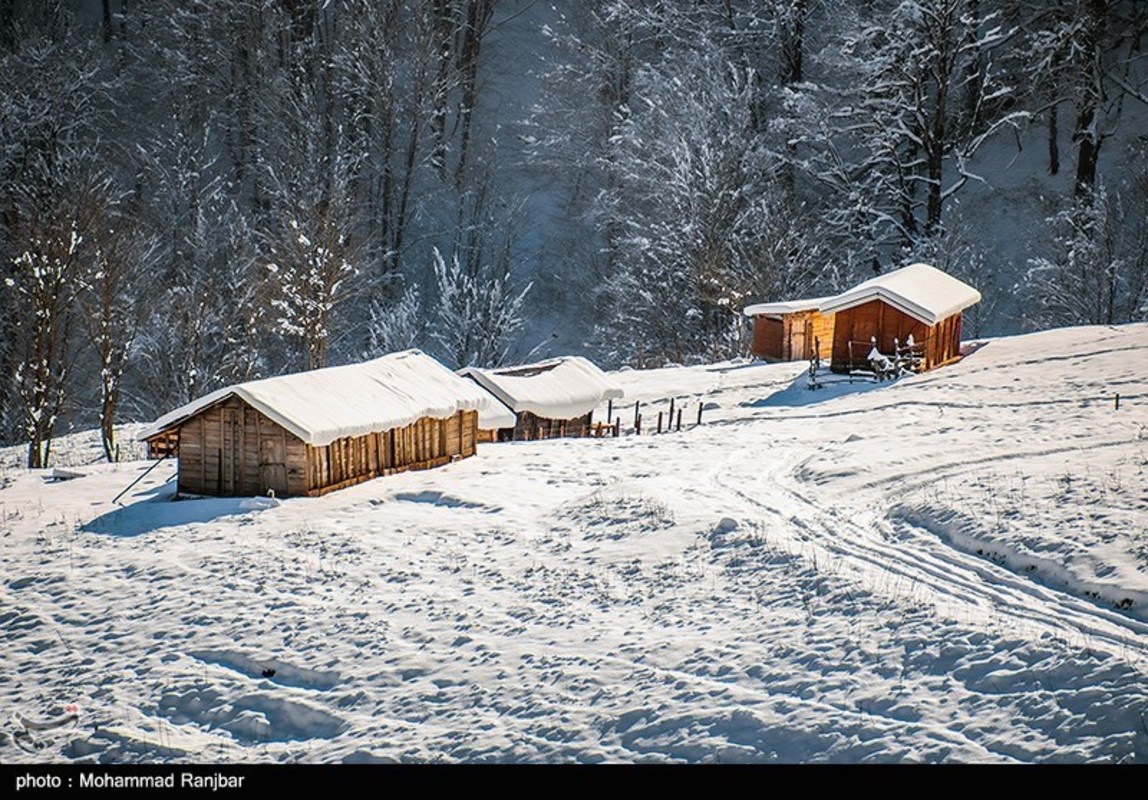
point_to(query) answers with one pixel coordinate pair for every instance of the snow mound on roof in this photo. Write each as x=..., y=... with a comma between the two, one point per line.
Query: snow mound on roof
x=562, y=388
x=919, y=290
x=496, y=415
x=786, y=306
x=323, y=405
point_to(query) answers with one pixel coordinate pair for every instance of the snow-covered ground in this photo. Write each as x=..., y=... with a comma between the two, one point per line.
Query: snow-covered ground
x=953, y=566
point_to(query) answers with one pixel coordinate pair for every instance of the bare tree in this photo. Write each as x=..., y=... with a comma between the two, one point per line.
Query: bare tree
x=119, y=258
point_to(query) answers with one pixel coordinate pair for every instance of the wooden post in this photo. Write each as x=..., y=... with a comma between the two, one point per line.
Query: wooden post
x=638, y=425
x=679, y=419
x=670, y=418
x=610, y=408
x=659, y=422
x=617, y=427
x=598, y=431
x=637, y=411
x=1118, y=401
x=700, y=406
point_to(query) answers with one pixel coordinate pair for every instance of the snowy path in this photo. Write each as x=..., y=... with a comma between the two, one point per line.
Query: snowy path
x=959, y=585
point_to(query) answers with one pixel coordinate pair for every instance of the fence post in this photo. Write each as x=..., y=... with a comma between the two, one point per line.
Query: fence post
x=670, y=418
x=617, y=427
x=659, y=422
x=638, y=425
x=610, y=408
x=637, y=410
x=679, y=419
x=1118, y=401
x=700, y=406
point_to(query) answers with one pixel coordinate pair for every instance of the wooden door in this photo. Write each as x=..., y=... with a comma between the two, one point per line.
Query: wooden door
x=798, y=336
x=273, y=466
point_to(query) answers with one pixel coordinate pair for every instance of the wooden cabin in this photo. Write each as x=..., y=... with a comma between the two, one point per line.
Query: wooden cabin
x=789, y=331
x=309, y=433
x=550, y=399
x=918, y=301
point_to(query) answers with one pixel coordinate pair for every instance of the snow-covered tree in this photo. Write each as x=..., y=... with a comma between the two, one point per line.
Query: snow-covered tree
x=1086, y=54
x=45, y=279
x=478, y=311
x=1091, y=276
x=397, y=325
x=311, y=278
x=53, y=102
x=702, y=220
x=119, y=259
x=919, y=93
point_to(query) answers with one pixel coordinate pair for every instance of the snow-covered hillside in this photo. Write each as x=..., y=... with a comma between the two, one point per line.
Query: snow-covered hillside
x=950, y=567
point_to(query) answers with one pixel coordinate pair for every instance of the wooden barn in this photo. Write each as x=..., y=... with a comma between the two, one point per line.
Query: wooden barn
x=550, y=399
x=919, y=301
x=309, y=433
x=789, y=331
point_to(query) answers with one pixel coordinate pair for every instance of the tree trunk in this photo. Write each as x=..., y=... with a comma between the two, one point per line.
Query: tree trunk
x=444, y=34
x=974, y=71
x=795, y=54
x=106, y=20
x=1088, y=151
x=1087, y=130
x=478, y=15
x=8, y=24
x=108, y=422
x=1053, y=136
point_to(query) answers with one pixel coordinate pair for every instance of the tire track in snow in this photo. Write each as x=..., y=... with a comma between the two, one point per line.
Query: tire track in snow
x=948, y=573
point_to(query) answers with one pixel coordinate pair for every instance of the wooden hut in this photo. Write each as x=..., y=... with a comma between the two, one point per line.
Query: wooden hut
x=918, y=301
x=550, y=399
x=309, y=433
x=789, y=331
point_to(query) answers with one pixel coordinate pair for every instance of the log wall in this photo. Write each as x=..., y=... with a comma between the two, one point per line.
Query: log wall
x=424, y=444
x=941, y=342
x=231, y=449
x=790, y=337
x=531, y=427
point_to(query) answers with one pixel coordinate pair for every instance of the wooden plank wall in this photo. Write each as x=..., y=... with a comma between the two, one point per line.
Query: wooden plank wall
x=163, y=444
x=945, y=344
x=791, y=337
x=531, y=427
x=822, y=330
x=231, y=449
x=875, y=318
x=768, y=334
x=424, y=444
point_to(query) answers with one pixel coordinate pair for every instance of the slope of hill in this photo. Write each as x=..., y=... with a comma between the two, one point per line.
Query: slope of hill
x=953, y=566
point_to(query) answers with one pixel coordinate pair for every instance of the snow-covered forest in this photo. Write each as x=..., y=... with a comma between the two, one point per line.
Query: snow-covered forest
x=198, y=192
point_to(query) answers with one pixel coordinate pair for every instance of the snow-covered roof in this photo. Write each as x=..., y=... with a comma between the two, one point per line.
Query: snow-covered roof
x=785, y=307
x=562, y=388
x=919, y=290
x=496, y=415
x=323, y=405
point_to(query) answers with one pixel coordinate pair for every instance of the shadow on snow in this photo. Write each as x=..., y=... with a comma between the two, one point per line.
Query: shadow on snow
x=832, y=386
x=161, y=510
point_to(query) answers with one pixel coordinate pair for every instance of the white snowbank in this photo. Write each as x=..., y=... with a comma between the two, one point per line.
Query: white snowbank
x=562, y=388
x=923, y=292
x=323, y=405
